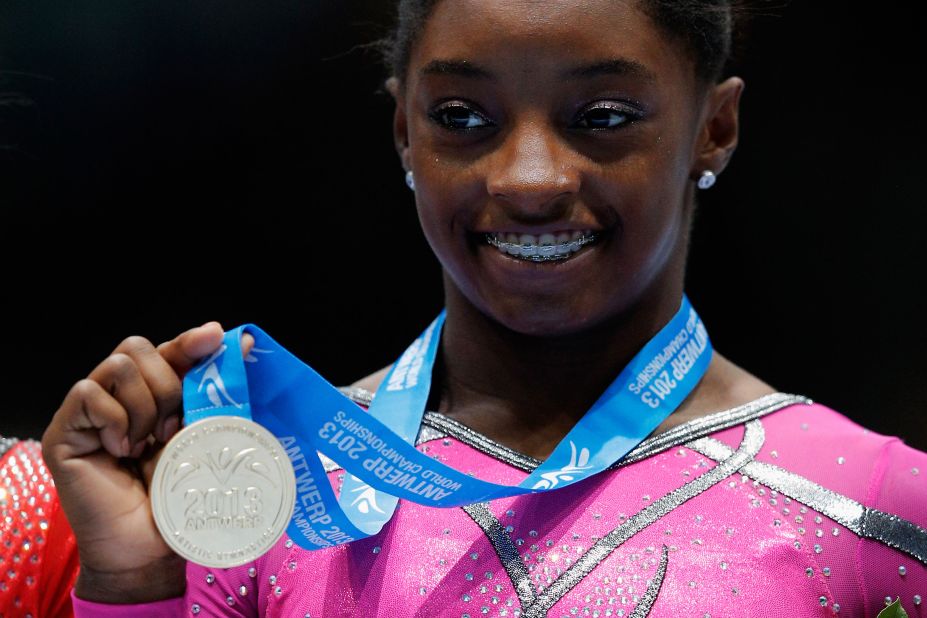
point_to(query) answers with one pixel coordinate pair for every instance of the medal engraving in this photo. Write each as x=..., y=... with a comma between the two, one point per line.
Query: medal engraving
x=223, y=491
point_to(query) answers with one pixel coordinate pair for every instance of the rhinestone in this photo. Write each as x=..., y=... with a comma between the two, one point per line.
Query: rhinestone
x=252, y=572
x=422, y=591
x=817, y=548
x=818, y=519
x=819, y=533
x=774, y=454
x=210, y=578
x=915, y=471
x=446, y=442
x=195, y=608
x=902, y=570
x=509, y=529
x=289, y=543
x=917, y=599
x=466, y=598
x=292, y=565
x=836, y=531
x=823, y=601
x=272, y=579
x=230, y=600
x=510, y=513
x=488, y=574
x=724, y=566
x=692, y=584
x=243, y=591
x=809, y=572
x=469, y=577
x=474, y=555
x=797, y=545
x=840, y=460
x=376, y=549
x=836, y=608
x=826, y=571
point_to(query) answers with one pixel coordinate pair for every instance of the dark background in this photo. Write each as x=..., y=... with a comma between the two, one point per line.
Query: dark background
x=146, y=144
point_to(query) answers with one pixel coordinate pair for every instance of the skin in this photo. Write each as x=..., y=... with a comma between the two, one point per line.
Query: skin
x=101, y=448
x=526, y=348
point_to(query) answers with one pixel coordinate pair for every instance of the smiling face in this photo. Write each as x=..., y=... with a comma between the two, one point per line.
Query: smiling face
x=554, y=147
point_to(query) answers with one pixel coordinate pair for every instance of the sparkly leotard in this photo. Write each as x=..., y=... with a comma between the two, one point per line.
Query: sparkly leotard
x=777, y=507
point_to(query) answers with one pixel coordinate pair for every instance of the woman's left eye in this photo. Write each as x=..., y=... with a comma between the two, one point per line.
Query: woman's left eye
x=605, y=117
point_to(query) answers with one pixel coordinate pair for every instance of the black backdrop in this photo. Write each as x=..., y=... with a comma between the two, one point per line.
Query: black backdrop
x=142, y=141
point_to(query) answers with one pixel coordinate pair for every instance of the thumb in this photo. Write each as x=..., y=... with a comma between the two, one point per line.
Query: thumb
x=187, y=348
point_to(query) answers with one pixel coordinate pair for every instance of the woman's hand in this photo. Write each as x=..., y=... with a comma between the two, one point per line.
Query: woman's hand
x=101, y=448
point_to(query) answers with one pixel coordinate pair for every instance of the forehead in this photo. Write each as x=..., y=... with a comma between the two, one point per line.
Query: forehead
x=541, y=37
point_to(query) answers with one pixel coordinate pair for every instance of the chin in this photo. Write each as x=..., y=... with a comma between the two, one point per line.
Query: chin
x=542, y=319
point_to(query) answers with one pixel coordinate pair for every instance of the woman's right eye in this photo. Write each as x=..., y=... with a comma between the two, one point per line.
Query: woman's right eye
x=457, y=117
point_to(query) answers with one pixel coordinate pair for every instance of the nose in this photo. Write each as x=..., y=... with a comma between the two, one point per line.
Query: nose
x=532, y=173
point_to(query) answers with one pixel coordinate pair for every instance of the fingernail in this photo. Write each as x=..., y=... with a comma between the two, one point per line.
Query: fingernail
x=139, y=448
x=125, y=446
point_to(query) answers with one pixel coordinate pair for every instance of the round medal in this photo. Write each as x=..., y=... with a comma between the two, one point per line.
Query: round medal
x=223, y=491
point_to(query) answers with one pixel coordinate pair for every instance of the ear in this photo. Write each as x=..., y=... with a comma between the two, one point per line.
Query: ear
x=400, y=122
x=718, y=137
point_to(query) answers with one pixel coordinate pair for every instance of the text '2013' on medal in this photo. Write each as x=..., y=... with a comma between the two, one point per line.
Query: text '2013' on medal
x=223, y=491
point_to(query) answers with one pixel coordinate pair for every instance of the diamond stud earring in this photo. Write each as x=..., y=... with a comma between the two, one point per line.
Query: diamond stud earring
x=707, y=180
x=409, y=180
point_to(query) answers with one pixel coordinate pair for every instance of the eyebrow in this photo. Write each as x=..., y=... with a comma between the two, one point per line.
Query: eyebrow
x=611, y=66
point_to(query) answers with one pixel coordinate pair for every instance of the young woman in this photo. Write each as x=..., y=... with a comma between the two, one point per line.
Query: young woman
x=555, y=150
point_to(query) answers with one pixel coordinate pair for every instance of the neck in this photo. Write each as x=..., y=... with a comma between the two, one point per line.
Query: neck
x=528, y=391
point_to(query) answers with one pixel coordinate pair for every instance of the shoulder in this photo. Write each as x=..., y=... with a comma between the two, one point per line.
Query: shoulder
x=372, y=381
x=821, y=443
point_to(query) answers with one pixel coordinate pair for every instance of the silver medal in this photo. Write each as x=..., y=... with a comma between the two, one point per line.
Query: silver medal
x=223, y=491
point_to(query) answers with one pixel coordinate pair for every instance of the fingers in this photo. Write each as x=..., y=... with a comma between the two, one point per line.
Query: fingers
x=189, y=347
x=88, y=406
x=133, y=394
x=120, y=375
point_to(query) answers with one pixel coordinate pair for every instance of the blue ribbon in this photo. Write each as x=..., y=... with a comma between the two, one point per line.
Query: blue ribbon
x=376, y=447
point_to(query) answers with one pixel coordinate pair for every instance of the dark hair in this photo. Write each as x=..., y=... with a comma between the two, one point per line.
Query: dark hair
x=712, y=31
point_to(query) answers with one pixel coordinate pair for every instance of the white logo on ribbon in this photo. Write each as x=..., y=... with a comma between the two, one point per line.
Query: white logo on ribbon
x=251, y=358
x=367, y=499
x=215, y=387
x=549, y=480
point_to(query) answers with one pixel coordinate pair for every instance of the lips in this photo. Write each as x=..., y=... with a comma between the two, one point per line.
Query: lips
x=545, y=247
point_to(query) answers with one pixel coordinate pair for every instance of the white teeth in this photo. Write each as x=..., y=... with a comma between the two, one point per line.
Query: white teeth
x=541, y=248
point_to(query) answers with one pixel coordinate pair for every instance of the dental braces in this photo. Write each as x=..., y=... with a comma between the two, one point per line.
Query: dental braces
x=541, y=253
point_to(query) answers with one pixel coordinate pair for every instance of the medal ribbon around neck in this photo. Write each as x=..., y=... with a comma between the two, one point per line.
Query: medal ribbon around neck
x=376, y=447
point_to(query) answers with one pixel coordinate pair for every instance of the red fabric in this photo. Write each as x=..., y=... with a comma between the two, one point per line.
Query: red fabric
x=38, y=553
